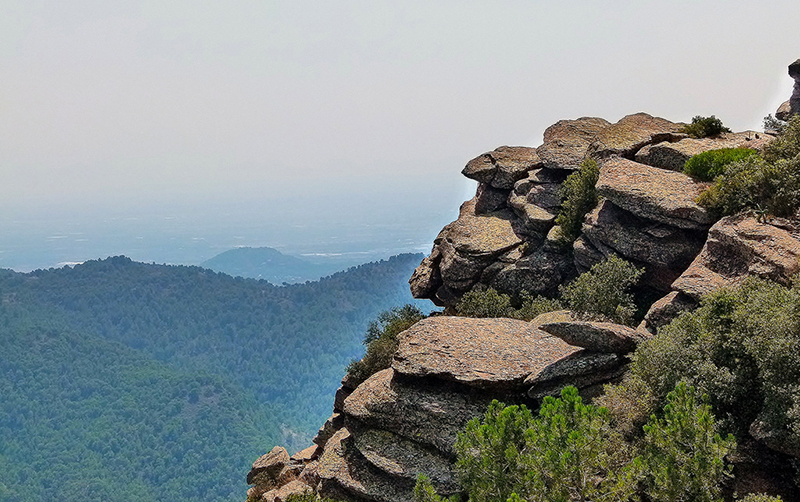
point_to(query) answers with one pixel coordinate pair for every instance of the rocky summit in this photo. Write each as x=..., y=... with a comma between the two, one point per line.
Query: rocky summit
x=403, y=421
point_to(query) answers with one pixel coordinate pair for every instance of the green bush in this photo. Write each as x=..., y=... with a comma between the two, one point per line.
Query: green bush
x=602, y=292
x=579, y=196
x=684, y=457
x=760, y=497
x=489, y=303
x=773, y=125
x=308, y=497
x=703, y=127
x=708, y=165
x=767, y=184
x=382, y=341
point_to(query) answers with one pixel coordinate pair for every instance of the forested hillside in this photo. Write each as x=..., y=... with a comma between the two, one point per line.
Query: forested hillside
x=269, y=264
x=132, y=381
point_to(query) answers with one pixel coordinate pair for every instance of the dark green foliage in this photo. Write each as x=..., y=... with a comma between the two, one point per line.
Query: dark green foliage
x=381, y=341
x=602, y=292
x=760, y=497
x=741, y=348
x=703, y=127
x=489, y=303
x=308, y=497
x=128, y=381
x=767, y=184
x=683, y=456
x=708, y=165
x=424, y=492
x=579, y=197
x=773, y=125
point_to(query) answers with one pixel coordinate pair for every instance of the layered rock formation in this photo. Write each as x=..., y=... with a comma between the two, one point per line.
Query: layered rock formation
x=791, y=107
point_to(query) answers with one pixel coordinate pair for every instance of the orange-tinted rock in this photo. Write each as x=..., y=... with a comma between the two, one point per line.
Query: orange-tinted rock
x=596, y=336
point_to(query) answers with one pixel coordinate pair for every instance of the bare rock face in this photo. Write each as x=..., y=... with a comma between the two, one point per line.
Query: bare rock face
x=666, y=309
x=485, y=353
x=566, y=142
x=430, y=416
x=791, y=107
x=502, y=167
x=631, y=133
x=674, y=155
x=489, y=199
x=739, y=246
x=654, y=194
x=538, y=273
x=597, y=336
x=269, y=464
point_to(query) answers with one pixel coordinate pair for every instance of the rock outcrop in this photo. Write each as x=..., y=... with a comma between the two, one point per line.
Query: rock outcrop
x=791, y=107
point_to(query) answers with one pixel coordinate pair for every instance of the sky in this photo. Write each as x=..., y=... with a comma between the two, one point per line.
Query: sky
x=172, y=130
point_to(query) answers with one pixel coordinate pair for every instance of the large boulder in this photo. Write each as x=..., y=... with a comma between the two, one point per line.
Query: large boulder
x=535, y=219
x=631, y=133
x=597, y=336
x=663, y=311
x=431, y=415
x=739, y=246
x=540, y=272
x=485, y=353
x=791, y=107
x=502, y=167
x=268, y=465
x=566, y=142
x=654, y=194
x=542, y=187
x=673, y=156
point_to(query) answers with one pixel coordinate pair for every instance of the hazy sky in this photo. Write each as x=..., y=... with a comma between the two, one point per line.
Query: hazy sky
x=107, y=104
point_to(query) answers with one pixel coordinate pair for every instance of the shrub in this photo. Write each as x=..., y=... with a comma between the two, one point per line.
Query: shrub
x=424, y=491
x=684, y=457
x=760, y=497
x=382, y=342
x=602, y=291
x=308, y=497
x=703, y=127
x=773, y=125
x=579, y=197
x=708, y=165
x=767, y=184
x=489, y=303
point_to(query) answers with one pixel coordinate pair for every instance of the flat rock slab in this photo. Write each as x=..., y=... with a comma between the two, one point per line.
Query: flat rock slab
x=631, y=133
x=502, y=167
x=673, y=156
x=431, y=416
x=654, y=194
x=576, y=365
x=485, y=235
x=597, y=336
x=269, y=464
x=401, y=457
x=566, y=142
x=739, y=246
x=485, y=353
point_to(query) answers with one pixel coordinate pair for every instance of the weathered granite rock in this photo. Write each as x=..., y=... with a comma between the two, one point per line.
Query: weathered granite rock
x=282, y=494
x=538, y=273
x=542, y=187
x=664, y=250
x=328, y=429
x=554, y=316
x=401, y=457
x=535, y=219
x=489, y=199
x=589, y=384
x=306, y=455
x=631, y=133
x=585, y=254
x=666, y=309
x=502, y=167
x=431, y=416
x=597, y=336
x=739, y=246
x=427, y=279
x=342, y=473
x=784, y=111
x=269, y=464
x=654, y=194
x=577, y=364
x=486, y=353
x=673, y=156
x=566, y=142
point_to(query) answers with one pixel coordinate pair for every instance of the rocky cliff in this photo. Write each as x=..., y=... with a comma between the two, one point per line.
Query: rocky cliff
x=403, y=421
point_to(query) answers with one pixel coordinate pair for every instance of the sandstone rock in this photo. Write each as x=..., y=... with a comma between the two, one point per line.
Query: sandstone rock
x=784, y=111
x=427, y=415
x=538, y=273
x=489, y=199
x=338, y=398
x=328, y=429
x=794, y=101
x=306, y=455
x=739, y=246
x=535, y=219
x=486, y=353
x=269, y=464
x=577, y=364
x=426, y=279
x=342, y=473
x=502, y=167
x=630, y=134
x=485, y=235
x=596, y=336
x=666, y=309
x=459, y=271
x=654, y=194
x=673, y=156
x=404, y=458
x=566, y=142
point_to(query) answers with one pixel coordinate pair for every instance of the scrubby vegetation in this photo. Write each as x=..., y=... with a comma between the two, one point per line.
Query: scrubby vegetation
x=708, y=165
x=571, y=451
x=601, y=293
x=579, y=196
x=768, y=183
x=773, y=125
x=381, y=341
x=703, y=127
